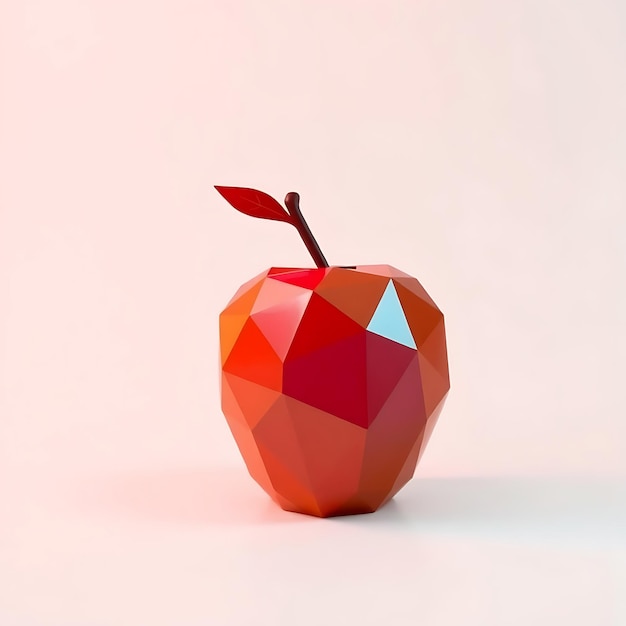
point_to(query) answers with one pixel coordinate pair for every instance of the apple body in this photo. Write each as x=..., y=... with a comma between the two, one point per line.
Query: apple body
x=332, y=380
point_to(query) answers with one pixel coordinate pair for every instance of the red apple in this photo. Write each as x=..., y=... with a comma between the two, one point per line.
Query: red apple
x=332, y=377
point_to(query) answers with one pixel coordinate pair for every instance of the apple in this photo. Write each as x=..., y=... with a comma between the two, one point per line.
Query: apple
x=332, y=378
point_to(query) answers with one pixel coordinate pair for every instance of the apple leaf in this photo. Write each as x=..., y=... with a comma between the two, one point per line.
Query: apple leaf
x=255, y=203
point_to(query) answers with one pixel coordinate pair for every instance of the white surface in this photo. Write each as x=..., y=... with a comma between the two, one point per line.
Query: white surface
x=480, y=146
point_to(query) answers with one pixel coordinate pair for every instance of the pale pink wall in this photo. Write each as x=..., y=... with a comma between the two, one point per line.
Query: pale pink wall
x=480, y=146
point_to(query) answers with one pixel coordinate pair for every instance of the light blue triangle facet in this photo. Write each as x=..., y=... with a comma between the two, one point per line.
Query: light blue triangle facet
x=389, y=320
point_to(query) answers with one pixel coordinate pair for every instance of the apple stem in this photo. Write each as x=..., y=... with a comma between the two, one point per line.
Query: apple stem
x=292, y=202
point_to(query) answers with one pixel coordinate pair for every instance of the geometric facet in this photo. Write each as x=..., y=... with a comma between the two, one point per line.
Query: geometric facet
x=389, y=320
x=339, y=286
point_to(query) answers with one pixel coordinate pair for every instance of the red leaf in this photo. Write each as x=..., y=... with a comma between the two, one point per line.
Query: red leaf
x=255, y=203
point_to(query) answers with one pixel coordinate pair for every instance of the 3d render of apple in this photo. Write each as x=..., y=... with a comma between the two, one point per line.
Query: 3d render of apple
x=332, y=377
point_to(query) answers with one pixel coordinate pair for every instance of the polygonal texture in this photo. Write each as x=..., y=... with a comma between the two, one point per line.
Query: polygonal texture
x=332, y=382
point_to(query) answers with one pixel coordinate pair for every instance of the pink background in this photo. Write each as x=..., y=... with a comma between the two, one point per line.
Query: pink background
x=478, y=145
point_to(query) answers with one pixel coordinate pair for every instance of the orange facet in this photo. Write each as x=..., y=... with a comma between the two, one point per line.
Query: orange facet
x=332, y=381
x=253, y=358
x=420, y=314
x=252, y=400
x=335, y=473
x=338, y=289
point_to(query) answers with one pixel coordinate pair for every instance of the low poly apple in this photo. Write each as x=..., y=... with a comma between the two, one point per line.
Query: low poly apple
x=332, y=378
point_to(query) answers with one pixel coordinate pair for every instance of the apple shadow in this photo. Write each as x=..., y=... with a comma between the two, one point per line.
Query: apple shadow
x=557, y=509
x=195, y=496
